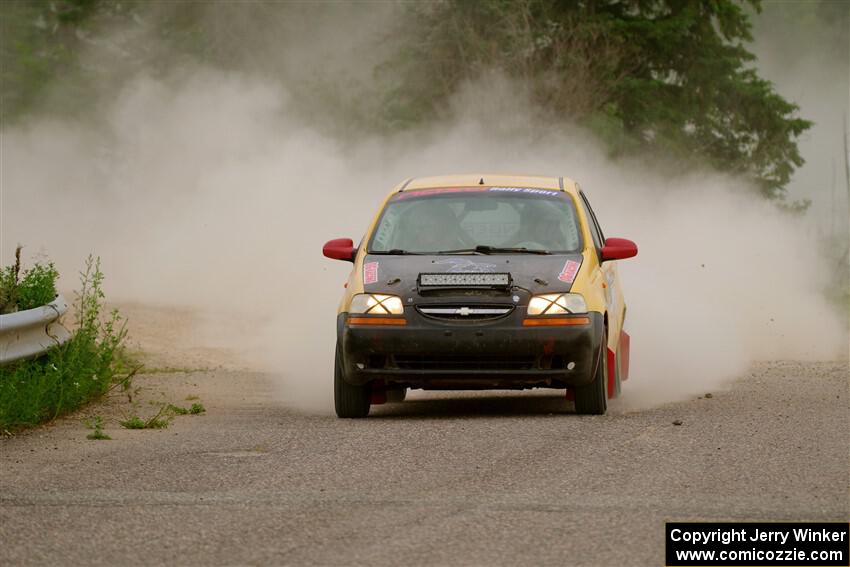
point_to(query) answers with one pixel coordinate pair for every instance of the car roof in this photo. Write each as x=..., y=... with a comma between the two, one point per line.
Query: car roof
x=489, y=180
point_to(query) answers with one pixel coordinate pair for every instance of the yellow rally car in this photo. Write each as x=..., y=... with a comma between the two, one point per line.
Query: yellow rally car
x=481, y=282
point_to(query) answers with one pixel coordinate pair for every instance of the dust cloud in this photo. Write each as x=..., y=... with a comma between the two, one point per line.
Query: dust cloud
x=213, y=190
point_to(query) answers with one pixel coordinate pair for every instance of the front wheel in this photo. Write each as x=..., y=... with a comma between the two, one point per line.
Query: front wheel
x=350, y=401
x=592, y=399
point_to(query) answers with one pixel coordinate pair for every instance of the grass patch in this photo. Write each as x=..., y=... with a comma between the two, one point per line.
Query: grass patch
x=134, y=422
x=85, y=368
x=161, y=420
x=194, y=409
x=177, y=410
x=96, y=423
x=98, y=435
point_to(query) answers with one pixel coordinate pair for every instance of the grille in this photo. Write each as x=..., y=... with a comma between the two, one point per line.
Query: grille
x=465, y=312
x=463, y=362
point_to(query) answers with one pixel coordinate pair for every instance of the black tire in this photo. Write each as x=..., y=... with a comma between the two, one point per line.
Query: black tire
x=396, y=396
x=592, y=399
x=350, y=401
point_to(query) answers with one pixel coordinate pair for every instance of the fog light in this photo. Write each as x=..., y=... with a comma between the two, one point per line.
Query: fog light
x=392, y=321
x=571, y=365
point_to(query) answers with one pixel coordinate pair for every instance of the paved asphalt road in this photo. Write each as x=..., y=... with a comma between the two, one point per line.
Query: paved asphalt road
x=495, y=479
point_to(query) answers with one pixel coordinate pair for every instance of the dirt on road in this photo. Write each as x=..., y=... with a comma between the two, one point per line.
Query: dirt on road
x=488, y=478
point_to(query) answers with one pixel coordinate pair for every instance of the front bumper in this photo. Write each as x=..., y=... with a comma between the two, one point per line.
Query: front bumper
x=497, y=354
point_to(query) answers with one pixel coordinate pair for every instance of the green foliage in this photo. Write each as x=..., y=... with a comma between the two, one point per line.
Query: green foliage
x=37, y=43
x=177, y=410
x=669, y=78
x=96, y=423
x=35, y=288
x=195, y=409
x=9, y=285
x=98, y=435
x=38, y=286
x=84, y=368
x=133, y=422
x=160, y=420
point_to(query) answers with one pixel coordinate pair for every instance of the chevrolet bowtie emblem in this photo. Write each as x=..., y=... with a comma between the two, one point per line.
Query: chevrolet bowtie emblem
x=464, y=311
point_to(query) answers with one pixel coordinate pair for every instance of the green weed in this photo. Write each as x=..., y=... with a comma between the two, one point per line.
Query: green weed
x=86, y=367
x=96, y=423
x=157, y=423
x=177, y=410
x=160, y=420
x=98, y=435
x=38, y=286
x=134, y=422
x=195, y=409
x=32, y=288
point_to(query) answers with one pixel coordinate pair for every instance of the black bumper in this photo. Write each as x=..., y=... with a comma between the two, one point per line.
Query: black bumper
x=497, y=354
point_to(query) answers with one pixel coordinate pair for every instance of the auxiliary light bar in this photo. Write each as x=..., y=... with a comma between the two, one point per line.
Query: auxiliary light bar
x=465, y=280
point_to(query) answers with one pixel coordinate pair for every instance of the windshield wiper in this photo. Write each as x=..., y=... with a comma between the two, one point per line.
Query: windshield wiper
x=395, y=252
x=484, y=249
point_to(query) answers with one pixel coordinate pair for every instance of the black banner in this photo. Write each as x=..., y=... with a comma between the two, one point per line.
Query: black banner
x=757, y=543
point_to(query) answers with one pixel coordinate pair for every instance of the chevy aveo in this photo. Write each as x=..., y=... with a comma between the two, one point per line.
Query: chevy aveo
x=481, y=282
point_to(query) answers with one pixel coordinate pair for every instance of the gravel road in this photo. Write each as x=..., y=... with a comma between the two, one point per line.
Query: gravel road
x=463, y=478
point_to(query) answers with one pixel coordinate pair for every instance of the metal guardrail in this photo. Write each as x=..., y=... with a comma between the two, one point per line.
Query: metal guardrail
x=32, y=332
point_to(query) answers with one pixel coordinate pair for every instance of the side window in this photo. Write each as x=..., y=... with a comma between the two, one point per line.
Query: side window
x=596, y=222
x=595, y=231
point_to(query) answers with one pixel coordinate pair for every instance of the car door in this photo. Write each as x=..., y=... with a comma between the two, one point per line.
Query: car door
x=609, y=277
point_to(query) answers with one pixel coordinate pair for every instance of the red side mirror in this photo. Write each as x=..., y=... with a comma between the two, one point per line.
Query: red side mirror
x=339, y=249
x=618, y=249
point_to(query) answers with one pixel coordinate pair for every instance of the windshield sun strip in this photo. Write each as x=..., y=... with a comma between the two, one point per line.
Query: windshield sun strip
x=499, y=191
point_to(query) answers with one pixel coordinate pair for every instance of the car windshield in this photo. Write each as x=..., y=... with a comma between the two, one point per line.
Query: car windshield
x=477, y=220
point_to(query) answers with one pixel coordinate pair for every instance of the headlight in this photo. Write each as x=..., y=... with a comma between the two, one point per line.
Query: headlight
x=376, y=304
x=557, y=304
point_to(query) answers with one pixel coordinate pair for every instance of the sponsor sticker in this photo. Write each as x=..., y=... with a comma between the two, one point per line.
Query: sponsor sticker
x=370, y=272
x=568, y=274
x=610, y=296
x=526, y=190
x=437, y=191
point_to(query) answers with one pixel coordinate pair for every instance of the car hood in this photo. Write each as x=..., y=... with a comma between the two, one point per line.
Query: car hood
x=534, y=273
